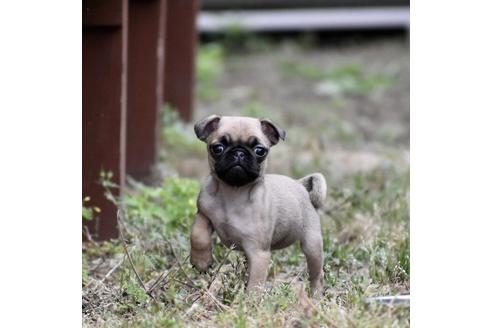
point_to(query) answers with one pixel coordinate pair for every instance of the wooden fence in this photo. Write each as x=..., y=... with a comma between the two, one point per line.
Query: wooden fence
x=137, y=55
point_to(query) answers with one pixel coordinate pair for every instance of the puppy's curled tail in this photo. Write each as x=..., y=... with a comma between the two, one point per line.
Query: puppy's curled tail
x=315, y=184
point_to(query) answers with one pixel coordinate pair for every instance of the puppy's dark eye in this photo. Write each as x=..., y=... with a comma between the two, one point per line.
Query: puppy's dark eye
x=217, y=149
x=260, y=151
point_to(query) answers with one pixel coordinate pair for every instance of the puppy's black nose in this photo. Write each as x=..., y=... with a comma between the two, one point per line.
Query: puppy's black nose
x=239, y=155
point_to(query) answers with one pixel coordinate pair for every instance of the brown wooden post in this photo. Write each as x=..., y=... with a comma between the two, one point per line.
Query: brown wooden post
x=104, y=56
x=145, y=84
x=179, y=68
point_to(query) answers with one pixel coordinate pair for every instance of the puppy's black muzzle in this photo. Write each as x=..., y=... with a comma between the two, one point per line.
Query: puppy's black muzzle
x=237, y=166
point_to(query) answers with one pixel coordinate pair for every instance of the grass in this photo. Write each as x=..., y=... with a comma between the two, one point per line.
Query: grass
x=88, y=211
x=345, y=79
x=366, y=254
x=254, y=109
x=178, y=139
x=211, y=57
x=235, y=39
x=209, y=66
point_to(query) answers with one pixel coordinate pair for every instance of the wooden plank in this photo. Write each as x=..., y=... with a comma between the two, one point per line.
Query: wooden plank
x=104, y=72
x=181, y=39
x=102, y=12
x=145, y=84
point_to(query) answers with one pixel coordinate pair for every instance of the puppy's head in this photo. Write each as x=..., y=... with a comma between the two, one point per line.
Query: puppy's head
x=238, y=146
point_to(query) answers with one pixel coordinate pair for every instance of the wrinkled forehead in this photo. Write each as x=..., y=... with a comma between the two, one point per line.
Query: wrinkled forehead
x=240, y=129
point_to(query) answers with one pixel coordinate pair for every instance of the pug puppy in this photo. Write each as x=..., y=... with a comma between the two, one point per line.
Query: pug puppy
x=254, y=211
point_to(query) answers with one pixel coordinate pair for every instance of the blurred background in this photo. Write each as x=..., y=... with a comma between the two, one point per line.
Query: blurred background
x=334, y=74
x=336, y=78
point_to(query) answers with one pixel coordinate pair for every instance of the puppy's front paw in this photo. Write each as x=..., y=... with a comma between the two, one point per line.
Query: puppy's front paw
x=202, y=261
x=316, y=288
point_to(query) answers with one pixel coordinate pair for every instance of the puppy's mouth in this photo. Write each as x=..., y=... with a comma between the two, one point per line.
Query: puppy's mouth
x=237, y=169
x=237, y=175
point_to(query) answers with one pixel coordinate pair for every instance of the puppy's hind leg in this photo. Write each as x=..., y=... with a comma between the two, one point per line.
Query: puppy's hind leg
x=312, y=247
x=201, y=243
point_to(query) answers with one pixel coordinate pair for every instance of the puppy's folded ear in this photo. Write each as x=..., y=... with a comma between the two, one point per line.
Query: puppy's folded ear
x=272, y=131
x=206, y=126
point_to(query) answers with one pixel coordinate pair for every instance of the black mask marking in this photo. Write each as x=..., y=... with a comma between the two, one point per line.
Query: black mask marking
x=237, y=165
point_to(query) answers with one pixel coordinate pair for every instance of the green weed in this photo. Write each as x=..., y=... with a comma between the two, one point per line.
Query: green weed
x=236, y=38
x=306, y=71
x=178, y=139
x=209, y=67
x=347, y=79
x=165, y=208
x=88, y=211
x=254, y=109
x=106, y=248
x=85, y=269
